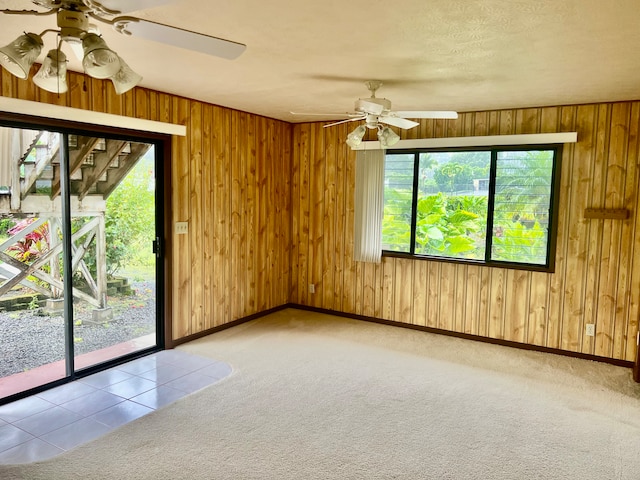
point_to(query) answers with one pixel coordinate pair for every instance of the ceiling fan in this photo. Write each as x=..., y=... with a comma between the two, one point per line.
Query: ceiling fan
x=98, y=60
x=376, y=112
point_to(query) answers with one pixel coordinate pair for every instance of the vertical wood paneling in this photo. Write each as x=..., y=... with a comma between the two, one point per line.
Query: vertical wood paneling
x=238, y=213
x=181, y=213
x=516, y=305
x=471, y=310
x=403, y=290
x=634, y=245
x=262, y=287
x=208, y=225
x=446, y=300
x=222, y=233
x=419, y=293
x=368, y=289
x=249, y=200
x=484, y=309
x=329, y=220
x=461, y=281
x=538, y=309
x=296, y=185
x=611, y=255
x=338, y=250
x=597, y=275
x=628, y=200
x=576, y=252
x=433, y=295
x=141, y=97
x=596, y=139
x=196, y=223
x=387, y=293
x=304, y=212
x=317, y=216
x=284, y=239
x=348, y=286
x=496, y=310
x=99, y=96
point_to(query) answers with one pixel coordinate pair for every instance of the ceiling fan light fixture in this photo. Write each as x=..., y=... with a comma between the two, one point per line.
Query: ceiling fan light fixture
x=99, y=60
x=388, y=137
x=18, y=56
x=52, y=76
x=125, y=79
x=355, y=138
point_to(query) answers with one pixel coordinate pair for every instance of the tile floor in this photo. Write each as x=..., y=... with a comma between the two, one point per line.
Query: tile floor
x=49, y=423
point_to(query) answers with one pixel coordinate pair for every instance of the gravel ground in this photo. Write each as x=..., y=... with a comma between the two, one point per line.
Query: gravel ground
x=29, y=339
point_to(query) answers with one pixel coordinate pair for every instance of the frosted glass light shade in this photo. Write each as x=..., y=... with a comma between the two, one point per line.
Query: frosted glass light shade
x=99, y=60
x=19, y=55
x=52, y=76
x=355, y=138
x=125, y=79
x=388, y=137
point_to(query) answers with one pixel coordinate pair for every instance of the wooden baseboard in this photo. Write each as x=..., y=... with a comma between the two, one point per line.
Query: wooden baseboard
x=466, y=336
x=240, y=321
x=477, y=338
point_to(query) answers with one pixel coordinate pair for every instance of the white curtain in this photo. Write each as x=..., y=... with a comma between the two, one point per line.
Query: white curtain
x=369, y=205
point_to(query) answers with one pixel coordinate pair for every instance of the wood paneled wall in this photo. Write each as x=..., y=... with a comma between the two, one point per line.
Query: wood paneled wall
x=597, y=277
x=230, y=181
x=270, y=211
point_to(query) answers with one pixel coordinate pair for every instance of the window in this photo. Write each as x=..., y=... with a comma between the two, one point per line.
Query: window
x=489, y=206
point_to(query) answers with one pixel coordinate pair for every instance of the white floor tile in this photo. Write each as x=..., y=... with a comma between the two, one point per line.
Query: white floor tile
x=45, y=425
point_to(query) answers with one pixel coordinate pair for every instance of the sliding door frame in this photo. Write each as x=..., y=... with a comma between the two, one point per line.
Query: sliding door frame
x=163, y=214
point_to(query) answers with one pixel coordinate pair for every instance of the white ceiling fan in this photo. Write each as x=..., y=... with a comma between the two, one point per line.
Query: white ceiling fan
x=376, y=112
x=99, y=61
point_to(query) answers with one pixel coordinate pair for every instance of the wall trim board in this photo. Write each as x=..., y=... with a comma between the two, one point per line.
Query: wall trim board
x=467, y=336
x=636, y=366
x=219, y=328
x=479, y=141
x=58, y=112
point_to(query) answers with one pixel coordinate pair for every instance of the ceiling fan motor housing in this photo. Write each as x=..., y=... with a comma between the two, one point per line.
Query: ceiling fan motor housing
x=73, y=24
x=362, y=104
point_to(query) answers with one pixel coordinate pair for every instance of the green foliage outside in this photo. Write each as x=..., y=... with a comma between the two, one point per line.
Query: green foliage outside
x=396, y=223
x=454, y=177
x=130, y=219
x=451, y=226
x=518, y=243
x=455, y=225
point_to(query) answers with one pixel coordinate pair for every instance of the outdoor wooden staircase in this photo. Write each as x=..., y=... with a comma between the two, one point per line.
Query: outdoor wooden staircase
x=96, y=165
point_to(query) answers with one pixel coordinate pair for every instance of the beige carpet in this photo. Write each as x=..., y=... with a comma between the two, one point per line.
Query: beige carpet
x=318, y=397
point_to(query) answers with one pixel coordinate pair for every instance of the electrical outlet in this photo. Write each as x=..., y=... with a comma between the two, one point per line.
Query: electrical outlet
x=182, y=228
x=312, y=288
x=591, y=329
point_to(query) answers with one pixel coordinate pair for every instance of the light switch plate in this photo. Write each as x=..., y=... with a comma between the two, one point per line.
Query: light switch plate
x=182, y=228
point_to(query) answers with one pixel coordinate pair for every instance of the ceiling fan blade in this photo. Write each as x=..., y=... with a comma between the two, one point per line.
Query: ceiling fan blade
x=178, y=37
x=398, y=122
x=344, y=121
x=427, y=114
x=124, y=6
x=321, y=114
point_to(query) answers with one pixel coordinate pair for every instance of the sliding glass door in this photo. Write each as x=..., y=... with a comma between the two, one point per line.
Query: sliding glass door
x=32, y=342
x=78, y=269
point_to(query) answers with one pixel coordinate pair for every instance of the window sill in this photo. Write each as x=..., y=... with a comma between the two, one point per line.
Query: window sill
x=477, y=263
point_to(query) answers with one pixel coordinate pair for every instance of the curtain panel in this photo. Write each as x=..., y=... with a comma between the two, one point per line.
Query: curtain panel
x=369, y=205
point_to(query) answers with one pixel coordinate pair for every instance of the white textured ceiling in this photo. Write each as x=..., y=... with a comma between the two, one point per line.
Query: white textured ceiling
x=462, y=55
